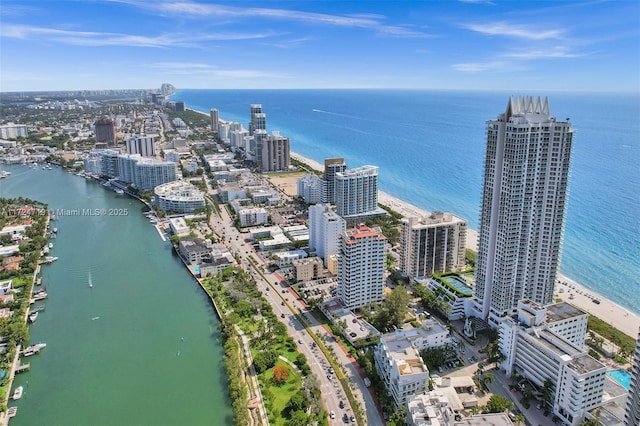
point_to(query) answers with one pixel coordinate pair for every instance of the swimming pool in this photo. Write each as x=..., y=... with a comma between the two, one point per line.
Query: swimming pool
x=621, y=376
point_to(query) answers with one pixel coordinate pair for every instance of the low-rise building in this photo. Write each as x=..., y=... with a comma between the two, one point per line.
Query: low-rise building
x=286, y=258
x=179, y=226
x=250, y=216
x=430, y=334
x=452, y=290
x=401, y=368
x=194, y=250
x=307, y=269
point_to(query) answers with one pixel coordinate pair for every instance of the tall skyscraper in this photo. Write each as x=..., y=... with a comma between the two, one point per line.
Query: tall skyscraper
x=105, y=131
x=356, y=191
x=331, y=167
x=275, y=153
x=632, y=412
x=432, y=245
x=258, y=118
x=215, y=119
x=324, y=228
x=361, y=266
x=523, y=207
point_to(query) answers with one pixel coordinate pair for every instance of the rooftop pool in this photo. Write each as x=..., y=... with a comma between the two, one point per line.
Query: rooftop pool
x=623, y=377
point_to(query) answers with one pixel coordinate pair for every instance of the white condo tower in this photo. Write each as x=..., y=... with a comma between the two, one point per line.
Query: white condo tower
x=523, y=207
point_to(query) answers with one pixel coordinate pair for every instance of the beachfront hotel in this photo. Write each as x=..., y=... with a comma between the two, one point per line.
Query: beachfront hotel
x=331, y=167
x=432, y=245
x=258, y=118
x=632, y=411
x=356, y=194
x=361, y=266
x=547, y=343
x=523, y=207
x=324, y=228
x=274, y=152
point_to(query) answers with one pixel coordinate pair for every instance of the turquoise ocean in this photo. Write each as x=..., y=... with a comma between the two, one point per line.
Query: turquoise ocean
x=429, y=146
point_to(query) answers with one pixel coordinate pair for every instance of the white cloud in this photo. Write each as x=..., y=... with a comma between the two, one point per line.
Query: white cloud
x=89, y=38
x=476, y=67
x=512, y=30
x=551, y=53
x=201, y=10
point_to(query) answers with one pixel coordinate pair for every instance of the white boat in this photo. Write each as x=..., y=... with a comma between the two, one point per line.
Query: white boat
x=4, y=174
x=50, y=245
x=17, y=394
x=49, y=259
x=33, y=349
x=119, y=191
x=33, y=316
x=12, y=411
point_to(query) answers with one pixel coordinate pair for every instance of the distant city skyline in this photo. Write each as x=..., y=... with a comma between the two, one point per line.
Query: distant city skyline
x=466, y=44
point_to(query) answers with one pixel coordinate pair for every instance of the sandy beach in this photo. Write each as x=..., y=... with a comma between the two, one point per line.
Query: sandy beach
x=619, y=317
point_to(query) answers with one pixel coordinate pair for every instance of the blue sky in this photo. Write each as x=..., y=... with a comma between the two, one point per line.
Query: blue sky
x=467, y=44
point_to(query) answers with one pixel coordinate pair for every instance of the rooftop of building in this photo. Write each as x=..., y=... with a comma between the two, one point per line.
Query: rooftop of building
x=361, y=231
x=433, y=219
x=562, y=311
x=193, y=245
x=406, y=356
x=493, y=419
x=552, y=342
x=584, y=364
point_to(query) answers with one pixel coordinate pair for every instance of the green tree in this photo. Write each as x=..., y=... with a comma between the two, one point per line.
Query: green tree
x=547, y=392
x=498, y=404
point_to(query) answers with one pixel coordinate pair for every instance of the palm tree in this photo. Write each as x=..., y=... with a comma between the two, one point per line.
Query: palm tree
x=486, y=379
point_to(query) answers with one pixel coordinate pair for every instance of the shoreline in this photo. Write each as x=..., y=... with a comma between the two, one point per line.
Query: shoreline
x=609, y=311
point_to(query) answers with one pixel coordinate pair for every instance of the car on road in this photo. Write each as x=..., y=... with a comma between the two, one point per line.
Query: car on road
x=282, y=303
x=300, y=341
x=281, y=315
x=353, y=419
x=341, y=405
x=333, y=414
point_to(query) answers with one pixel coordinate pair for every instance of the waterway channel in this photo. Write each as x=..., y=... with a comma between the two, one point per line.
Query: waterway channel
x=131, y=339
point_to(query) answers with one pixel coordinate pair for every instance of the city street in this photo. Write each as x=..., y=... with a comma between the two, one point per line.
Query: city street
x=286, y=304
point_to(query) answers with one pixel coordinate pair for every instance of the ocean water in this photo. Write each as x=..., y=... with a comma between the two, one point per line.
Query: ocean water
x=429, y=146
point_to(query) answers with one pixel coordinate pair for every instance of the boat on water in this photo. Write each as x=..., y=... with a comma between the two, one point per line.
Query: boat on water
x=50, y=245
x=4, y=174
x=95, y=318
x=49, y=259
x=17, y=394
x=12, y=411
x=55, y=230
x=33, y=349
x=38, y=308
x=33, y=316
x=119, y=191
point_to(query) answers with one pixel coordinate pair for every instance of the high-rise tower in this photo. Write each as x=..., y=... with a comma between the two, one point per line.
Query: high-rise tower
x=361, y=266
x=331, y=167
x=258, y=118
x=632, y=412
x=523, y=207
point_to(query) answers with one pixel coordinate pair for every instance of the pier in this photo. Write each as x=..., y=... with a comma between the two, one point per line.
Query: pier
x=22, y=367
